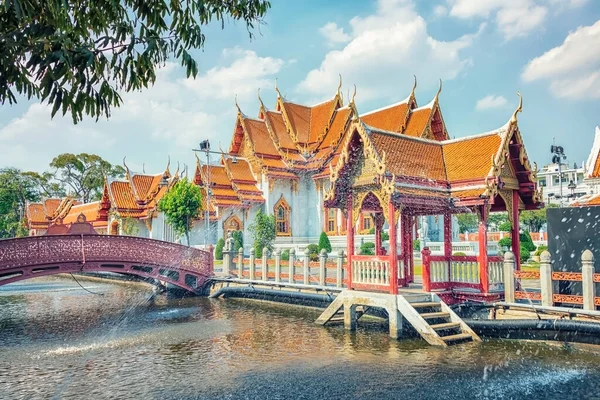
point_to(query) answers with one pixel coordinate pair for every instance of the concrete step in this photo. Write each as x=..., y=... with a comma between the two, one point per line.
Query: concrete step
x=457, y=337
x=426, y=304
x=336, y=319
x=433, y=315
x=444, y=326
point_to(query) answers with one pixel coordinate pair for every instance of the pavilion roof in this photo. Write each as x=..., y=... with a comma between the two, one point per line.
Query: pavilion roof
x=593, y=162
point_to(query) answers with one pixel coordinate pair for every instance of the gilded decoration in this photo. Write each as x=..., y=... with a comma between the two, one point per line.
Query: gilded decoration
x=507, y=196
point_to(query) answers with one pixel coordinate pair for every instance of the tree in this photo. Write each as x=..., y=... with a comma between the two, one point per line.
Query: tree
x=83, y=174
x=46, y=185
x=16, y=189
x=505, y=227
x=324, y=243
x=262, y=230
x=78, y=55
x=181, y=204
x=467, y=221
x=535, y=219
x=238, y=240
x=219, y=249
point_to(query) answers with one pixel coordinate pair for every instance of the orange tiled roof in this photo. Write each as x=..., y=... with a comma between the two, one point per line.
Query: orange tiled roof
x=280, y=131
x=36, y=214
x=596, y=171
x=50, y=206
x=470, y=158
x=391, y=118
x=299, y=118
x=224, y=192
x=122, y=195
x=90, y=210
x=338, y=126
x=406, y=156
x=259, y=136
x=217, y=175
x=320, y=116
x=468, y=193
x=240, y=170
x=417, y=121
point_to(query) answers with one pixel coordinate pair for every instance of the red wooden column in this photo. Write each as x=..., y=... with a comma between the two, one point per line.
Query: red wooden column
x=349, y=240
x=483, y=256
x=448, y=242
x=425, y=254
x=515, y=234
x=378, y=221
x=393, y=252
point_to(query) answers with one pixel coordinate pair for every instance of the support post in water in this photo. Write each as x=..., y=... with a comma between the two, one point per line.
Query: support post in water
x=291, y=266
x=587, y=276
x=339, y=281
x=546, y=278
x=509, y=278
x=322, y=265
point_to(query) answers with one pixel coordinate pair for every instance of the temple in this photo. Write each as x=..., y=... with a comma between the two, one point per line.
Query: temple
x=592, y=175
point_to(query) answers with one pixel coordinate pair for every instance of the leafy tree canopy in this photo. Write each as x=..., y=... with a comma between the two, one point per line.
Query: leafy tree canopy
x=262, y=230
x=83, y=174
x=535, y=219
x=16, y=189
x=78, y=55
x=467, y=221
x=181, y=204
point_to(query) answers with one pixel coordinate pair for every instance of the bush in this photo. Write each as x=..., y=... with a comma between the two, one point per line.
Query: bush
x=384, y=235
x=324, y=243
x=219, y=249
x=262, y=230
x=459, y=254
x=313, y=252
x=540, y=250
x=524, y=253
x=505, y=242
x=238, y=240
x=505, y=227
x=367, y=249
x=285, y=255
x=526, y=241
x=416, y=244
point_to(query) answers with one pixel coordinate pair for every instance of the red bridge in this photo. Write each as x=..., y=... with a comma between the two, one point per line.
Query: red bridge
x=31, y=257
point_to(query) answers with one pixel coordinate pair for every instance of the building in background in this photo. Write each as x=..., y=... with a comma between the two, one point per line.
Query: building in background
x=592, y=175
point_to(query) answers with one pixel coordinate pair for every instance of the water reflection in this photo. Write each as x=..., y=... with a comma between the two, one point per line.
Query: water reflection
x=57, y=340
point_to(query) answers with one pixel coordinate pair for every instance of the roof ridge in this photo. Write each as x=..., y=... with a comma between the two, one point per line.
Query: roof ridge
x=476, y=136
x=405, y=101
x=401, y=135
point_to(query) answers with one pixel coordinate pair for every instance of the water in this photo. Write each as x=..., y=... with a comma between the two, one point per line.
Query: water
x=60, y=342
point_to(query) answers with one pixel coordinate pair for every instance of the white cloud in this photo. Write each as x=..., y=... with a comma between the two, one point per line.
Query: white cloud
x=334, y=34
x=386, y=49
x=573, y=68
x=513, y=18
x=169, y=118
x=440, y=11
x=490, y=101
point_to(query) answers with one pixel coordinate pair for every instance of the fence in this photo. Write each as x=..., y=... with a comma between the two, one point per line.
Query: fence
x=327, y=271
x=547, y=279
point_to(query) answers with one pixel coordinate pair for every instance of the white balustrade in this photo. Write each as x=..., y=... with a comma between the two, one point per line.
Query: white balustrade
x=371, y=272
x=464, y=271
x=495, y=271
x=438, y=271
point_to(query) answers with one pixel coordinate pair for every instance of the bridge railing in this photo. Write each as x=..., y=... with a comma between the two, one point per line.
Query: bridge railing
x=45, y=250
x=298, y=269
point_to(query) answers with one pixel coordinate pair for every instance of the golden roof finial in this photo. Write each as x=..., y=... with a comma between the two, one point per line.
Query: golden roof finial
x=339, y=89
x=127, y=173
x=238, y=106
x=144, y=167
x=197, y=160
x=277, y=89
x=177, y=172
x=353, y=95
x=415, y=84
x=519, y=108
x=437, y=95
x=167, y=172
x=260, y=100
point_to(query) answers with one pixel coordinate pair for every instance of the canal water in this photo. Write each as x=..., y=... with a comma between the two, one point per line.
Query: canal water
x=58, y=341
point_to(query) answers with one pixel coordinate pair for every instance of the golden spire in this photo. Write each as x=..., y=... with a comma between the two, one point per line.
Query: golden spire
x=339, y=89
x=353, y=95
x=127, y=173
x=238, y=106
x=277, y=90
x=412, y=93
x=197, y=160
x=177, y=172
x=437, y=95
x=260, y=100
x=167, y=172
x=518, y=110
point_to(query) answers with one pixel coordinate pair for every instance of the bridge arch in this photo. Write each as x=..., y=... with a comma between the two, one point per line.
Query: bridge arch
x=35, y=256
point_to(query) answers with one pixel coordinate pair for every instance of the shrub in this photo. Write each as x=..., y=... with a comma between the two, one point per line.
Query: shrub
x=416, y=244
x=262, y=230
x=524, y=253
x=238, y=240
x=285, y=255
x=367, y=249
x=459, y=254
x=384, y=235
x=219, y=249
x=526, y=241
x=540, y=250
x=313, y=252
x=324, y=243
x=505, y=242
x=505, y=227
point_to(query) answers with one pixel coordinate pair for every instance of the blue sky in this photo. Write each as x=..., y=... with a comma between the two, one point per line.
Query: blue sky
x=484, y=51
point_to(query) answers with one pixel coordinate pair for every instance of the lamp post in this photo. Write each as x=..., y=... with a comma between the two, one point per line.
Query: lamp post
x=558, y=155
x=572, y=186
x=204, y=147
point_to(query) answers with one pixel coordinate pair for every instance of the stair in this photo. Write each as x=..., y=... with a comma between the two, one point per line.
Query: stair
x=436, y=322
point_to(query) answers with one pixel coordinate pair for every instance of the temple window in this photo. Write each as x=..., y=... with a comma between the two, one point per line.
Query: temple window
x=282, y=213
x=332, y=220
x=367, y=224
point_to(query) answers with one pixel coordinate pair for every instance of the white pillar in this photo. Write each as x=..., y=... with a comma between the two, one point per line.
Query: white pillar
x=306, y=265
x=322, y=265
x=546, y=278
x=252, y=267
x=509, y=279
x=240, y=263
x=291, y=267
x=265, y=267
x=277, y=264
x=339, y=278
x=587, y=274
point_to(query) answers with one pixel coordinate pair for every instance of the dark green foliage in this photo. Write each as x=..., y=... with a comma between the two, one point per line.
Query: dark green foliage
x=181, y=205
x=384, y=235
x=78, y=55
x=313, y=251
x=467, y=221
x=324, y=243
x=367, y=249
x=416, y=244
x=219, y=249
x=16, y=189
x=524, y=253
x=504, y=227
x=262, y=230
x=505, y=242
x=535, y=219
x=238, y=240
x=285, y=255
x=526, y=241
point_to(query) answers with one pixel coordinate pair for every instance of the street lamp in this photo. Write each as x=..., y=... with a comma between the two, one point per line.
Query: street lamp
x=558, y=155
x=572, y=186
x=204, y=147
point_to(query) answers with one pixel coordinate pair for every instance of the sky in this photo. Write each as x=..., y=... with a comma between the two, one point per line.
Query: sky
x=483, y=51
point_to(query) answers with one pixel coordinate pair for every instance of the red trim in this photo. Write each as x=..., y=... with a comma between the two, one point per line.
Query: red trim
x=349, y=240
x=483, y=258
x=515, y=239
x=426, y=257
x=393, y=250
